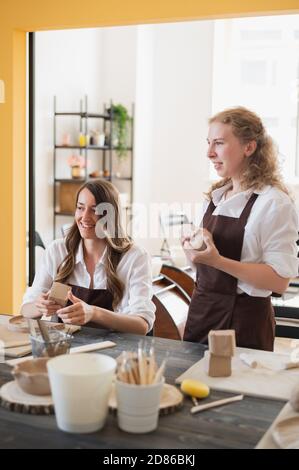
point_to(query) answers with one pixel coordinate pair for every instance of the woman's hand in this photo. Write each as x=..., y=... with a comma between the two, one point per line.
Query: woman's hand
x=77, y=314
x=210, y=256
x=45, y=306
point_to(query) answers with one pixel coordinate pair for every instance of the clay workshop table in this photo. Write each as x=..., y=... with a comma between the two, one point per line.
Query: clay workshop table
x=238, y=425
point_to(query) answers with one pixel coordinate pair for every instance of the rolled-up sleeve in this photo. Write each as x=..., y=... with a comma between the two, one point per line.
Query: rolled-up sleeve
x=43, y=278
x=140, y=290
x=279, y=233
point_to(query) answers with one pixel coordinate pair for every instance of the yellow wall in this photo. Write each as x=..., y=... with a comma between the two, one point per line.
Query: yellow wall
x=19, y=16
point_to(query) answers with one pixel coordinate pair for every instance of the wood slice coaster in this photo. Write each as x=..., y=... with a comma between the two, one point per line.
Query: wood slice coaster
x=286, y=433
x=171, y=400
x=13, y=398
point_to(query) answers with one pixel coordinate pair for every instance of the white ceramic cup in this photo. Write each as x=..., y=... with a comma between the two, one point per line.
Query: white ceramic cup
x=138, y=406
x=80, y=385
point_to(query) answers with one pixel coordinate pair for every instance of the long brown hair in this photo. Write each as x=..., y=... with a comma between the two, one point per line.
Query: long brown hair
x=261, y=168
x=117, y=243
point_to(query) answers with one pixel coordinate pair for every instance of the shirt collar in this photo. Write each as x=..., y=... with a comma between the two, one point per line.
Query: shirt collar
x=80, y=255
x=218, y=193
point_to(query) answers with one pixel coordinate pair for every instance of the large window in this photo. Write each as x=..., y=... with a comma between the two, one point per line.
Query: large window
x=256, y=64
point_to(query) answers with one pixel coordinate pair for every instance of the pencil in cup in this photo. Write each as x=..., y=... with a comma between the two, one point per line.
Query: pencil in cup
x=140, y=369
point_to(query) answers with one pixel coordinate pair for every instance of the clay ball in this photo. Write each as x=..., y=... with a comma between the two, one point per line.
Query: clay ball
x=196, y=241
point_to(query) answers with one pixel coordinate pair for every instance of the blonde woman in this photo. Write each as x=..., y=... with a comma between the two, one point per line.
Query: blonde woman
x=250, y=231
x=110, y=277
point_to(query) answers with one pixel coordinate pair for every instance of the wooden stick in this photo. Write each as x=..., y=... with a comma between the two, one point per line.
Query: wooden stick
x=195, y=401
x=122, y=376
x=291, y=365
x=43, y=330
x=92, y=347
x=46, y=338
x=224, y=401
x=135, y=372
x=151, y=370
x=160, y=372
x=141, y=365
x=152, y=366
x=130, y=373
x=31, y=326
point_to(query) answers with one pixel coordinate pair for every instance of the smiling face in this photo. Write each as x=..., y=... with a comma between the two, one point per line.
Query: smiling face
x=85, y=215
x=227, y=153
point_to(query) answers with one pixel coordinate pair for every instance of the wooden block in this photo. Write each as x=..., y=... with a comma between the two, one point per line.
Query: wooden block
x=217, y=366
x=66, y=196
x=59, y=293
x=222, y=342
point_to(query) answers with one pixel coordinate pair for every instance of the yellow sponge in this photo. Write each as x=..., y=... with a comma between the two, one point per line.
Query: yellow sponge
x=194, y=388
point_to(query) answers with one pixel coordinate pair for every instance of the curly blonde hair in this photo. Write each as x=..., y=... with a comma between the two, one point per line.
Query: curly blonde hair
x=262, y=166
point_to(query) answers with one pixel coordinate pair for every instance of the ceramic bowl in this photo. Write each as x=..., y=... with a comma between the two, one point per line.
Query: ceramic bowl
x=32, y=376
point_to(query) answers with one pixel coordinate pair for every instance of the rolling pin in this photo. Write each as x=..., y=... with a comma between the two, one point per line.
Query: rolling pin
x=291, y=365
x=213, y=404
x=248, y=360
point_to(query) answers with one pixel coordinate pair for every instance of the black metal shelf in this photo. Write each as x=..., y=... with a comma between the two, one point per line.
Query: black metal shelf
x=82, y=180
x=69, y=180
x=81, y=147
x=85, y=115
x=124, y=178
x=90, y=147
x=106, y=157
x=65, y=214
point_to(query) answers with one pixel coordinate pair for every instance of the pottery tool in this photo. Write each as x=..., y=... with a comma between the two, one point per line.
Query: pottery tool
x=214, y=404
x=46, y=337
x=31, y=326
x=140, y=368
x=151, y=364
x=160, y=372
x=195, y=401
x=248, y=360
x=141, y=364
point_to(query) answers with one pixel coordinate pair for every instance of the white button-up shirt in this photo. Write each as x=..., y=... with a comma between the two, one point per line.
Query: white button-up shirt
x=270, y=233
x=134, y=269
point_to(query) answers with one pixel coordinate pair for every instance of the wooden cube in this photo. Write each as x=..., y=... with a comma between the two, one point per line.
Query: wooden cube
x=222, y=342
x=217, y=366
x=59, y=293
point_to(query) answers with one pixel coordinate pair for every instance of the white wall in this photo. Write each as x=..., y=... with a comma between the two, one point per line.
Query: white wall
x=174, y=76
x=119, y=47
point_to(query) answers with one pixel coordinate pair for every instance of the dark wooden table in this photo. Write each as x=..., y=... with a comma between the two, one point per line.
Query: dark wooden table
x=238, y=425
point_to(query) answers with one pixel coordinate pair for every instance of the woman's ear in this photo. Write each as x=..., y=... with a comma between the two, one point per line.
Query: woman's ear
x=250, y=148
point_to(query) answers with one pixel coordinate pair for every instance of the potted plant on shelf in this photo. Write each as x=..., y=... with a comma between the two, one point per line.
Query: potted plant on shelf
x=77, y=164
x=121, y=129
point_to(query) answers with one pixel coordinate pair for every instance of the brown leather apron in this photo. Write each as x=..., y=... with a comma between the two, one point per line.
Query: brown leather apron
x=98, y=297
x=215, y=304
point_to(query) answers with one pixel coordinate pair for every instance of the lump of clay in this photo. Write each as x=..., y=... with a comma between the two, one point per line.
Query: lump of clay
x=196, y=241
x=294, y=400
